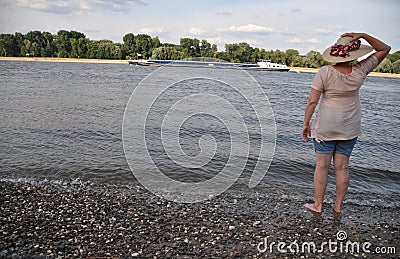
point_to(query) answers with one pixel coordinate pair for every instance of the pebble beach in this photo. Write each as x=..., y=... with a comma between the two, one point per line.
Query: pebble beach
x=85, y=220
x=66, y=190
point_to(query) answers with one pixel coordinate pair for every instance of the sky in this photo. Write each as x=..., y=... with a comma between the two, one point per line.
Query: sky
x=280, y=24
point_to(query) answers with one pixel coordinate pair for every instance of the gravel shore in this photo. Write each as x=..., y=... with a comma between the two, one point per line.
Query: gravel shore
x=87, y=220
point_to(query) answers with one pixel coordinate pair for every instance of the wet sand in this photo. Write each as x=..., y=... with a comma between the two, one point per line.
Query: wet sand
x=86, y=220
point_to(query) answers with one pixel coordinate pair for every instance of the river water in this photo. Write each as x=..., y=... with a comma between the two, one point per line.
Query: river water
x=61, y=121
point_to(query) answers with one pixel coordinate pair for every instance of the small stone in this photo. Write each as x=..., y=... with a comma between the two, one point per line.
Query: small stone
x=256, y=223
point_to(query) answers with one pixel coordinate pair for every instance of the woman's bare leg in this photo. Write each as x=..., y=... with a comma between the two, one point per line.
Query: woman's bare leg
x=341, y=162
x=322, y=164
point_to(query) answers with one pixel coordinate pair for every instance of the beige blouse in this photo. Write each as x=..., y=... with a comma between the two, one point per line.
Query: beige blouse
x=339, y=113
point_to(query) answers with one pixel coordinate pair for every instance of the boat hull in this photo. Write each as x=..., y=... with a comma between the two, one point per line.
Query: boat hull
x=205, y=64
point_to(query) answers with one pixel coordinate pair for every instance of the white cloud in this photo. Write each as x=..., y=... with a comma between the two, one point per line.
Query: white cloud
x=219, y=41
x=75, y=6
x=307, y=24
x=296, y=10
x=226, y=13
x=297, y=40
x=252, y=42
x=323, y=31
x=313, y=40
x=288, y=32
x=196, y=31
x=153, y=30
x=58, y=7
x=249, y=28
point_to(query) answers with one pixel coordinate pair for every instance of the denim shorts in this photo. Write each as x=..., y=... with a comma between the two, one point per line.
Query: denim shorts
x=335, y=146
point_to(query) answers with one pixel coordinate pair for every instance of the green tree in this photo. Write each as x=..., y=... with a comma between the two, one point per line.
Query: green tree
x=278, y=56
x=291, y=55
x=299, y=61
x=262, y=54
x=64, y=41
x=63, y=44
x=36, y=49
x=266, y=54
x=241, y=52
x=245, y=52
x=115, y=50
x=186, y=44
x=394, y=56
x=255, y=56
x=75, y=44
x=76, y=35
x=231, y=52
x=195, y=48
x=191, y=47
x=26, y=48
x=37, y=42
x=93, y=47
x=7, y=47
x=237, y=52
x=222, y=55
x=74, y=48
x=205, y=49
x=79, y=48
x=396, y=66
x=129, y=47
x=19, y=44
x=313, y=59
x=167, y=53
x=103, y=49
x=143, y=43
x=49, y=48
x=155, y=42
x=384, y=67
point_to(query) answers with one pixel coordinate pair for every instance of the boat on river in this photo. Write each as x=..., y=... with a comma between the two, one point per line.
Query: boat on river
x=264, y=65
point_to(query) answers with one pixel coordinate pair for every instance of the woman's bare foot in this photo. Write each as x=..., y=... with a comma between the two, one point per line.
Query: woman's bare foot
x=336, y=208
x=336, y=214
x=312, y=207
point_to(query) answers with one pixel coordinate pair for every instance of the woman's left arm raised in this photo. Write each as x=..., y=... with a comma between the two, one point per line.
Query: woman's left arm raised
x=381, y=48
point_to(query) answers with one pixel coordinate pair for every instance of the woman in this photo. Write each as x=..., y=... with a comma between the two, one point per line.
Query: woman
x=338, y=122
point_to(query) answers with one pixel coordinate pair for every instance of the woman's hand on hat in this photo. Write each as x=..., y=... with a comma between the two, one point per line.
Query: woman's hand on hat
x=355, y=36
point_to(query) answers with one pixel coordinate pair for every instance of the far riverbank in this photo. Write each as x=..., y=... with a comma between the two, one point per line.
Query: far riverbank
x=111, y=61
x=314, y=70
x=84, y=60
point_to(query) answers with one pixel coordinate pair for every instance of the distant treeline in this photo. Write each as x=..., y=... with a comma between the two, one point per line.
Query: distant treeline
x=73, y=44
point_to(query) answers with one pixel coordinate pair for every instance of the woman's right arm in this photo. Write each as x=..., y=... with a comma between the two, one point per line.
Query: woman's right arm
x=381, y=48
x=312, y=103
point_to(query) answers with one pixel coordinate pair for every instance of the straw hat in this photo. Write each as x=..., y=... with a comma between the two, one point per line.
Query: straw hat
x=345, y=50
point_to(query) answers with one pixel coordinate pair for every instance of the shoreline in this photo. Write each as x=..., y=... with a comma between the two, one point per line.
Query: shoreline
x=112, y=61
x=72, y=60
x=87, y=220
x=315, y=70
